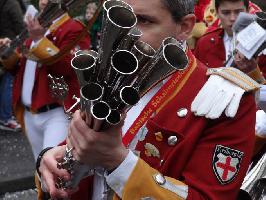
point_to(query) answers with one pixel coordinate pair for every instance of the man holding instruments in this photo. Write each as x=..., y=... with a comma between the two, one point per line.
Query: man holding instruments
x=187, y=147
x=43, y=115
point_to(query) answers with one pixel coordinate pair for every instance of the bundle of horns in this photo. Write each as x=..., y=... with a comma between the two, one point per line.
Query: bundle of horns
x=114, y=79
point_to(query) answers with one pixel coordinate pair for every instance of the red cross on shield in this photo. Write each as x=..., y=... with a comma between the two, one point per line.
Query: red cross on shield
x=226, y=163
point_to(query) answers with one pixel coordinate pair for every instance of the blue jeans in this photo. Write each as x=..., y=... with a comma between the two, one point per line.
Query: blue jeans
x=6, y=96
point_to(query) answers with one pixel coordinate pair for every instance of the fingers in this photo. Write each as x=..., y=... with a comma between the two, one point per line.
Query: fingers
x=54, y=192
x=50, y=166
x=58, y=193
x=79, y=135
x=232, y=108
x=5, y=41
x=223, y=99
x=36, y=31
x=205, y=98
x=201, y=96
x=244, y=64
x=50, y=172
x=75, y=144
x=77, y=126
x=216, y=96
x=239, y=56
x=240, y=61
x=29, y=21
x=91, y=147
x=28, y=18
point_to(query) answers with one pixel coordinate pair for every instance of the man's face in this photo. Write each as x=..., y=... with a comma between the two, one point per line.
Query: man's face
x=42, y=4
x=228, y=13
x=154, y=20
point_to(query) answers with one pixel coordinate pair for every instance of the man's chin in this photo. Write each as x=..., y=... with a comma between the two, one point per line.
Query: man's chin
x=229, y=32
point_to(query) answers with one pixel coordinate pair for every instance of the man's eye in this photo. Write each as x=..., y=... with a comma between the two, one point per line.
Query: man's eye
x=143, y=20
x=226, y=12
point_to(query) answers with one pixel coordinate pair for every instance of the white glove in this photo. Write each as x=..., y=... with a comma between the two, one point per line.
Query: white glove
x=260, y=123
x=217, y=95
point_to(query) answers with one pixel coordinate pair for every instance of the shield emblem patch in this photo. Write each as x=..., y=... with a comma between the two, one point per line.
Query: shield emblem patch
x=226, y=163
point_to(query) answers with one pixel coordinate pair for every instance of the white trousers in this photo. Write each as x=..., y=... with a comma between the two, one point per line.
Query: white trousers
x=45, y=129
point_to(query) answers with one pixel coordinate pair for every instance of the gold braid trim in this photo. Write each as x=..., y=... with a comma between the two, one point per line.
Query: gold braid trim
x=235, y=76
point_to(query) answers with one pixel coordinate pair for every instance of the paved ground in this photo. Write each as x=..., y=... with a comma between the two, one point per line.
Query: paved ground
x=16, y=167
x=21, y=195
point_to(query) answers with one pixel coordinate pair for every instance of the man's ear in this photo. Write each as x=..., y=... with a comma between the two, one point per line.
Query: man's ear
x=186, y=26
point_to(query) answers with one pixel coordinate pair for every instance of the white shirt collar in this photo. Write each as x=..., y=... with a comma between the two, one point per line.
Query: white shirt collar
x=228, y=45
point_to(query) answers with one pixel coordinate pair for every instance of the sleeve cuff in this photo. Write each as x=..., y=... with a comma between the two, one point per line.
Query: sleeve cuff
x=118, y=178
x=43, y=49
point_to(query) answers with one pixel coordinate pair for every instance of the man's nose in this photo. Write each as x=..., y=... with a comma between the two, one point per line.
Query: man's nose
x=233, y=17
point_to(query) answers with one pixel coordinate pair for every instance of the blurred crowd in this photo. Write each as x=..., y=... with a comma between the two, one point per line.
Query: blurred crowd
x=12, y=23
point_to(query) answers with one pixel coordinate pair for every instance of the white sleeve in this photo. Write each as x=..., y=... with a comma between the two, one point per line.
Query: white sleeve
x=118, y=178
x=261, y=123
x=262, y=97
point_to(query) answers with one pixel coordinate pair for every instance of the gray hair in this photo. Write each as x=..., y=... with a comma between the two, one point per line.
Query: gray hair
x=179, y=8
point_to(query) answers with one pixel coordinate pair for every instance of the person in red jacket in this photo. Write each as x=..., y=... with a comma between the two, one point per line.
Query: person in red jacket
x=180, y=153
x=207, y=19
x=215, y=47
x=44, y=117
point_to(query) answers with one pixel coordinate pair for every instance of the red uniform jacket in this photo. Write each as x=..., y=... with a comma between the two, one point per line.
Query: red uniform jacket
x=193, y=159
x=41, y=94
x=211, y=51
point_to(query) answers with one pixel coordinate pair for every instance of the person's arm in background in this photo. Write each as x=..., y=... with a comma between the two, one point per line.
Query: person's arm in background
x=14, y=14
x=10, y=62
x=4, y=42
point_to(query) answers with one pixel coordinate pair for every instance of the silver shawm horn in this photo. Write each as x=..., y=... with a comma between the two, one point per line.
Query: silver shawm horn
x=167, y=60
x=118, y=23
x=89, y=95
x=130, y=39
x=84, y=66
